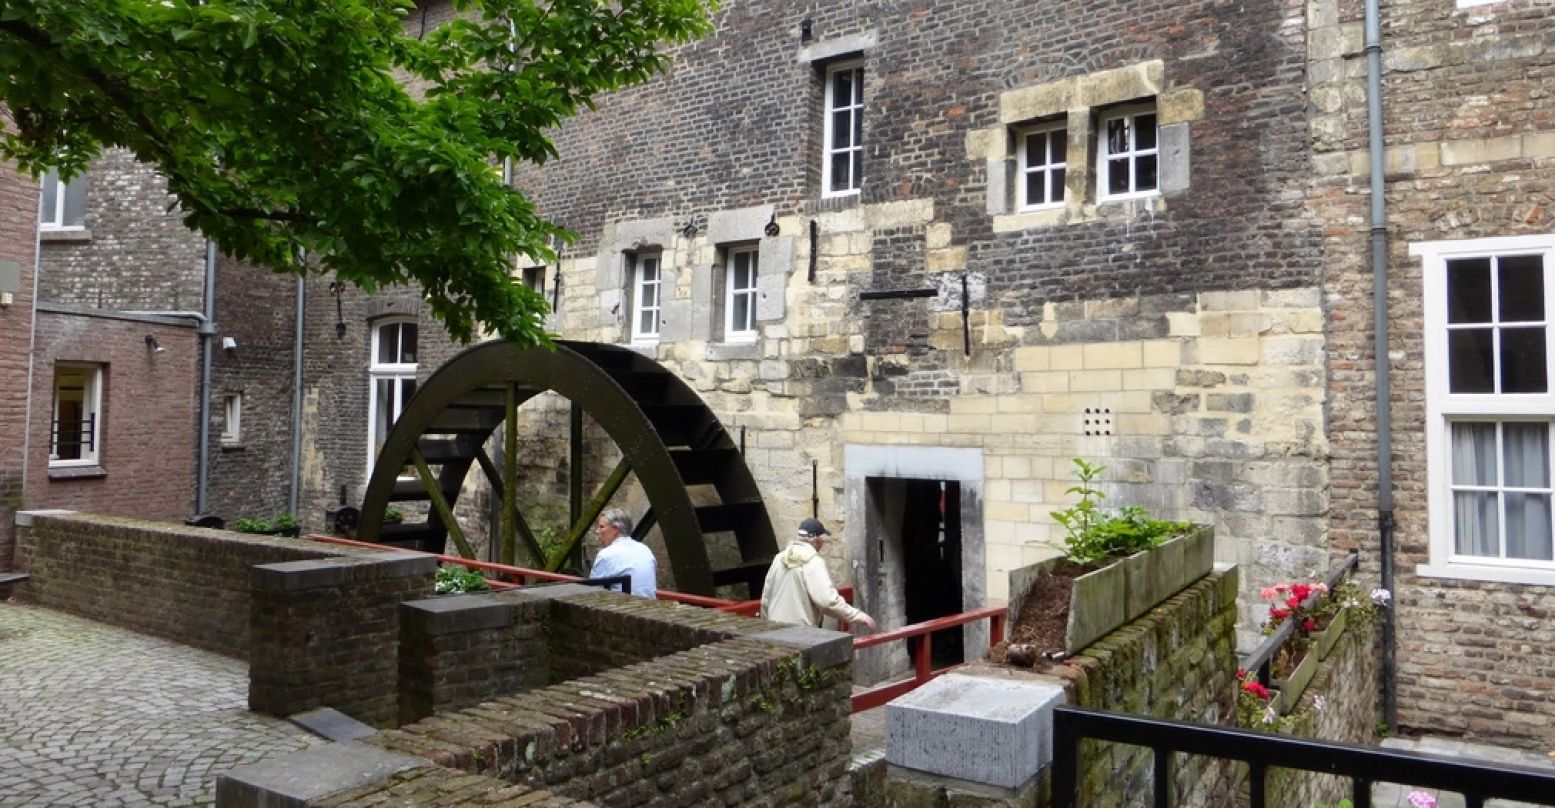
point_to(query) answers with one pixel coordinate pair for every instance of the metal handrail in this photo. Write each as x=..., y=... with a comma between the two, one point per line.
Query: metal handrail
x=1262, y=657
x=1477, y=781
x=921, y=634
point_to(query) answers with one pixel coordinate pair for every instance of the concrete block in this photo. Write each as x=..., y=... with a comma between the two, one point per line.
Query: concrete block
x=840, y=46
x=1176, y=157
x=333, y=725
x=1009, y=722
x=1097, y=605
x=999, y=186
x=775, y=260
x=742, y=224
x=306, y=777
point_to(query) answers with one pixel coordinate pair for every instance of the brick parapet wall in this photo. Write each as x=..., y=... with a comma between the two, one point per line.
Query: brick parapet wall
x=187, y=584
x=456, y=651
x=326, y=633
x=438, y=787
x=745, y=712
x=1347, y=685
x=18, y=244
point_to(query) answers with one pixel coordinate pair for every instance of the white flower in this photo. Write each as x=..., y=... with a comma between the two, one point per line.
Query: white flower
x=1319, y=703
x=1381, y=596
x=1269, y=714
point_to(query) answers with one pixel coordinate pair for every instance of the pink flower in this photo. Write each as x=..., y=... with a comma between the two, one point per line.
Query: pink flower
x=1420, y=799
x=1320, y=588
x=1268, y=593
x=1281, y=587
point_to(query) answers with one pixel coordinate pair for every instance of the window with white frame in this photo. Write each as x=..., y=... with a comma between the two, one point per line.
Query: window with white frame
x=392, y=379
x=740, y=293
x=646, y=303
x=841, y=167
x=1128, y=153
x=76, y=438
x=232, y=418
x=63, y=204
x=1489, y=407
x=1042, y=153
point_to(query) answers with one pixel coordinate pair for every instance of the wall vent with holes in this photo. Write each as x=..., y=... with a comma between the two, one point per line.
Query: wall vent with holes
x=1096, y=421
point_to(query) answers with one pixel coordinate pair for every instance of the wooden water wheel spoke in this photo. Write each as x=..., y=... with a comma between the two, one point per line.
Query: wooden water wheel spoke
x=666, y=435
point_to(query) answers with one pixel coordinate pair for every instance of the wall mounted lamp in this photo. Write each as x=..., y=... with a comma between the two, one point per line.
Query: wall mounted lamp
x=154, y=345
x=337, y=288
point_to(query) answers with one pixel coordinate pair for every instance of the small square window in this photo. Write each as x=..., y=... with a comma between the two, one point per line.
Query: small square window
x=842, y=157
x=1128, y=153
x=232, y=418
x=646, y=280
x=1042, y=155
x=63, y=204
x=534, y=278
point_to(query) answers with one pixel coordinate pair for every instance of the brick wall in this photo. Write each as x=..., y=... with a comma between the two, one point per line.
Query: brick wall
x=753, y=720
x=1347, y=684
x=459, y=651
x=186, y=584
x=18, y=243
x=326, y=632
x=1470, y=148
x=133, y=253
x=145, y=462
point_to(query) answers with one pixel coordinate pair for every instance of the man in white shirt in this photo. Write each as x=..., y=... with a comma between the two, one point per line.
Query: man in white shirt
x=798, y=588
x=620, y=554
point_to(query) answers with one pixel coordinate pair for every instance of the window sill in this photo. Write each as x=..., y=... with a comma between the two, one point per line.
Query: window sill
x=733, y=349
x=232, y=446
x=64, y=234
x=76, y=472
x=1113, y=200
x=1488, y=573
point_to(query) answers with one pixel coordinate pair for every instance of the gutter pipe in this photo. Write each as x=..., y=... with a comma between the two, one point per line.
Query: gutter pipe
x=1379, y=293
x=293, y=497
x=207, y=332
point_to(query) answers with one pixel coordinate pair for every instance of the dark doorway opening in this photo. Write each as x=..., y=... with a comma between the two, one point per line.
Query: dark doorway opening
x=931, y=562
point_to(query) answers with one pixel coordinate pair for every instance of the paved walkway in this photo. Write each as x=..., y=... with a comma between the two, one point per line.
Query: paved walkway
x=95, y=715
x=1387, y=795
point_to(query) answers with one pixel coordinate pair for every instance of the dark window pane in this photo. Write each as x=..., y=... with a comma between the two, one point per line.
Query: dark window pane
x=1117, y=176
x=1523, y=361
x=858, y=127
x=1034, y=194
x=1145, y=176
x=857, y=180
x=1058, y=142
x=388, y=344
x=1468, y=364
x=1468, y=290
x=842, y=88
x=1036, y=149
x=1117, y=136
x=841, y=129
x=1521, y=282
x=1058, y=186
x=408, y=343
x=741, y=317
x=841, y=167
x=1144, y=132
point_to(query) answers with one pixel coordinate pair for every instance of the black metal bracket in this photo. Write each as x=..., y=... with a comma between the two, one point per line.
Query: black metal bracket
x=896, y=294
x=815, y=246
x=966, y=316
x=337, y=288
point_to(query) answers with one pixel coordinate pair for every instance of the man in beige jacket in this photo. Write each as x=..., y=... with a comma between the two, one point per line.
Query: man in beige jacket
x=798, y=588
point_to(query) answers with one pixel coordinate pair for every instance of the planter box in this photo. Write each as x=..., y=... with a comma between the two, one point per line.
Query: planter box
x=1296, y=683
x=1104, y=600
x=1323, y=642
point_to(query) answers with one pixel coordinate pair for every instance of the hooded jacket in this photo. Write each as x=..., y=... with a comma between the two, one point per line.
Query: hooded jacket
x=799, y=590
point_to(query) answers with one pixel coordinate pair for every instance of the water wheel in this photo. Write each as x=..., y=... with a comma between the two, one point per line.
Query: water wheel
x=667, y=436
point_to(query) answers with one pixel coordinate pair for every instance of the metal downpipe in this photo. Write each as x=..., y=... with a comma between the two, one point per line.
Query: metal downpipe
x=293, y=498
x=207, y=332
x=1379, y=293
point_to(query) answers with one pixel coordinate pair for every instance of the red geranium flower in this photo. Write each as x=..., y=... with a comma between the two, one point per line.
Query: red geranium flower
x=1309, y=624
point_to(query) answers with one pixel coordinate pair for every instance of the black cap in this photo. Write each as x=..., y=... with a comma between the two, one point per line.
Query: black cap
x=812, y=528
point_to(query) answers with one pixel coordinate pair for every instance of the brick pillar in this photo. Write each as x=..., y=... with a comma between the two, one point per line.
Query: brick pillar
x=325, y=633
x=456, y=651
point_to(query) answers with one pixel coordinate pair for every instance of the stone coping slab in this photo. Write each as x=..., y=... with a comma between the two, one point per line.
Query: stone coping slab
x=984, y=730
x=299, y=779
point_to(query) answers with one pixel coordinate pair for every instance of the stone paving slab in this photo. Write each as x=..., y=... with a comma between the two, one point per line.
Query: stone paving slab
x=95, y=715
x=1389, y=795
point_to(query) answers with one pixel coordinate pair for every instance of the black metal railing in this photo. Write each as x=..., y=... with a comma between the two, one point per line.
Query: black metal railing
x=1262, y=657
x=73, y=436
x=1477, y=781
x=623, y=581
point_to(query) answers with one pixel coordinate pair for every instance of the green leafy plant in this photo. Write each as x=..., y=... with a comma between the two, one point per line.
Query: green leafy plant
x=392, y=516
x=454, y=580
x=270, y=525
x=283, y=522
x=1094, y=535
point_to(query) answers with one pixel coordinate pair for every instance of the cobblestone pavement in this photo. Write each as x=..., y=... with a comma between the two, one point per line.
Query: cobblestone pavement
x=95, y=715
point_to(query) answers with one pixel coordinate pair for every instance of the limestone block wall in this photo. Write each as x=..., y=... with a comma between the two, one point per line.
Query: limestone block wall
x=186, y=584
x=1469, y=153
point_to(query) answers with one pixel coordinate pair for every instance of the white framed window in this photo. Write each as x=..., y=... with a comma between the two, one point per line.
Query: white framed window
x=391, y=379
x=647, y=278
x=1042, y=155
x=232, y=418
x=740, y=293
x=76, y=438
x=63, y=204
x=1490, y=408
x=1128, y=153
x=534, y=278
x=842, y=158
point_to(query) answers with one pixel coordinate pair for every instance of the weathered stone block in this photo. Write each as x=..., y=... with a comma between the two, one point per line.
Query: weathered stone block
x=1010, y=723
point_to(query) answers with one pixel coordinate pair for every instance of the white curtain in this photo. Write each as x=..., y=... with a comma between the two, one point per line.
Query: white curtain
x=1521, y=459
x=1476, y=528
x=1527, y=466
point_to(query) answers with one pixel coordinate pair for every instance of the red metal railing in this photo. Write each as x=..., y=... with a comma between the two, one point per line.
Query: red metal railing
x=920, y=635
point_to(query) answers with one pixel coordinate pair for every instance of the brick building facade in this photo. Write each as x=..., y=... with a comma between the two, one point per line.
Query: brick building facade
x=18, y=256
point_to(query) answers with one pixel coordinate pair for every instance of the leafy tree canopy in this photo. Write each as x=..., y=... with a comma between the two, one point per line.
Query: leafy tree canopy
x=344, y=130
